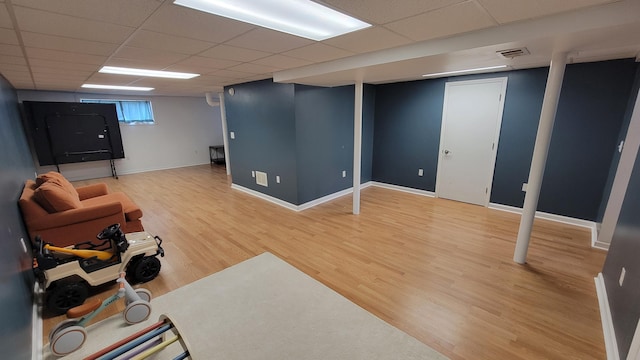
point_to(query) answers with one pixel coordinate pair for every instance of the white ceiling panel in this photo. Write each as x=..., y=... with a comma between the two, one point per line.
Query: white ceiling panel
x=514, y=10
x=111, y=79
x=8, y=36
x=159, y=41
x=68, y=26
x=254, y=68
x=371, y=39
x=8, y=59
x=447, y=21
x=54, y=66
x=234, y=74
x=65, y=56
x=206, y=62
x=234, y=53
x=12, y=50
x=269, y=41
x=43, y=41
x=181, y=21
x=111, y=11
x=318, y=52
x=14, y=68
x=282, y=62
x=384, y=11
x=150, y=56
x=5, y=19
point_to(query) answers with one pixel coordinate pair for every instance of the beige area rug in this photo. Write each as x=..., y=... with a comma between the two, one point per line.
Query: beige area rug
x=264, y=308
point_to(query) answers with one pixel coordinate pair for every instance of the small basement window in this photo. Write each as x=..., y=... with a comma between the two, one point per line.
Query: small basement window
x=130, y=112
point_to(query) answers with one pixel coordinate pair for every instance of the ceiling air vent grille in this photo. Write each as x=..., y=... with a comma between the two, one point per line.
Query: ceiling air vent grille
x=512, y=53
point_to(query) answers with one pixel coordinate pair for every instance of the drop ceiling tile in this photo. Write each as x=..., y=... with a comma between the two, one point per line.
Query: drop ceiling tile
x=206, y=62
x=13, y=67
x=318, y=52
x=447, y=21
x=51, y=42
x=234, y=53
x=17, y=60
x=159, y=41
x=110, y=11
x=269, y=41
x=367, y=40
x=514, y=10
x=60, y=72
x=233, y=74
x=134, y=63
x=12, y=50
x=282, y=62
x=53, y=65
x=254, y=68
x=181, y=21
x=190, y=69
x=5, y=19
x=68, y=26
x=65, y=56
x=8, y=36
x=153, y=57
x=111, y=79
x=384, y=11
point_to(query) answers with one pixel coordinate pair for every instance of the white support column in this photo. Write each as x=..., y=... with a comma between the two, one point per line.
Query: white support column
x=225, y=135
x=357, y=146
x=539, y=160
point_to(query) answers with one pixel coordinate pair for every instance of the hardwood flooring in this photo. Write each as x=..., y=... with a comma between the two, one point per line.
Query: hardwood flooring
x=442, y=271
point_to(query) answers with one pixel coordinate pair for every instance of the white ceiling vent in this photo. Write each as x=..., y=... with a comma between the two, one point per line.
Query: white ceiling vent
x=511, y=53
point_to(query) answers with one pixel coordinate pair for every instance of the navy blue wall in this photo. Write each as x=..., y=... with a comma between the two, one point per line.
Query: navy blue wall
x=16, y=284
x=590, y=114
x=262, y=116
x=368, y=118
x=623, y=252
x=324, y=135
x=407, y=133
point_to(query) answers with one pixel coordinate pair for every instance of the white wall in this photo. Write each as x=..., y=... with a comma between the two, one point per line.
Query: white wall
x=185, y=128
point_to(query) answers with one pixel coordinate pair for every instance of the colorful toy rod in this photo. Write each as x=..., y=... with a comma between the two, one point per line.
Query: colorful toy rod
x=156, y=348
x=141, y=340
x=85, y=254
x=182, y=356
x=124, y=341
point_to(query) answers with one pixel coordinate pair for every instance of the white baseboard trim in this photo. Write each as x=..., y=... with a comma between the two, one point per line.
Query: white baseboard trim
x=558, y=218
x=301, y=207
x=404, y=189
x=610, y=342
x=36, y=336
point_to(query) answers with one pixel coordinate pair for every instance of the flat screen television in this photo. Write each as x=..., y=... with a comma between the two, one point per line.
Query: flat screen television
x=65, y=132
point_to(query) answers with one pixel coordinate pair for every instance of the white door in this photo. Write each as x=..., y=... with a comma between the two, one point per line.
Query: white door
x=471, y=120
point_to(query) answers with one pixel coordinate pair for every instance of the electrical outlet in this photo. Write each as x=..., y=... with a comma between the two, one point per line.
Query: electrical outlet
x=253, y=174
x=344, y=173
x=524, y=187
x=420, y=172
x=623, y=272
x=232, y=135
x=278, y=179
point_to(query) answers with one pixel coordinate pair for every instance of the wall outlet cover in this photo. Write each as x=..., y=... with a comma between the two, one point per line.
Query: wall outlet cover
x=623, y=272
x=278, y=179
x=261, y=178
x=253, y=174
x=420, y=172
x=232, y=135
x=344, y=173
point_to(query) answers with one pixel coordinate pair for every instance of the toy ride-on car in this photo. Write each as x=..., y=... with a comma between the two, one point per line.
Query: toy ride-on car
x=67, y=273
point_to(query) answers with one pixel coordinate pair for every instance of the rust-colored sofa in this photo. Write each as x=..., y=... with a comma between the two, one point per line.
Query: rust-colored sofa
x=64, y=215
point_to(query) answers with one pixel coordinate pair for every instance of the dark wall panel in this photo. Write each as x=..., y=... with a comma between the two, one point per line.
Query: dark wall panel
x=623, y=252
x=368, y=118
x=261, y=114
x=407, y=133
x=324, y=135
x=590, y=113
x=16, y=166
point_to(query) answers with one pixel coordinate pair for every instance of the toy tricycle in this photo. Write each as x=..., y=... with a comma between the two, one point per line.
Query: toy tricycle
x=66, y=277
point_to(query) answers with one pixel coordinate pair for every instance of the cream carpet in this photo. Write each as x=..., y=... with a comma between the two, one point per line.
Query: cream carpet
x=264, y=308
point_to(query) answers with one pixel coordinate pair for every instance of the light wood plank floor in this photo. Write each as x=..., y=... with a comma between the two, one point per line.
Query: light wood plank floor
x=440, y=270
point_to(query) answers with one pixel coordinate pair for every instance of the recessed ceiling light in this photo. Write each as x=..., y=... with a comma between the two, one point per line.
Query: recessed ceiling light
x=302, y=18
x=465, y=71
x=145, y=72
x=116, y=87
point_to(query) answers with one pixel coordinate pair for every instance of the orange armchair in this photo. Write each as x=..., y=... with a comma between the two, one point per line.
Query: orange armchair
x=63, y=215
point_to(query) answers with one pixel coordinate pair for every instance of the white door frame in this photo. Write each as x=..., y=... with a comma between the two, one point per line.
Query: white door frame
x=441, y=149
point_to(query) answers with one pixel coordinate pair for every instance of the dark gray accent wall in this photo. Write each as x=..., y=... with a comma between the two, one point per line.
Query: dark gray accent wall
x=594, y=97
x=623, y=252
x=261, y=114
x=368, y=118
x=16, y=288
x=590, y=114
x=616, y=154
x=407, y=133
x=324, y=136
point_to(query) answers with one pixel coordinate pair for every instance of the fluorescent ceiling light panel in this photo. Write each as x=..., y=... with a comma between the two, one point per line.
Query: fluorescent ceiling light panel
x=145, y=72
x=466, y=70
x=116, y=87
x=302, y=18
